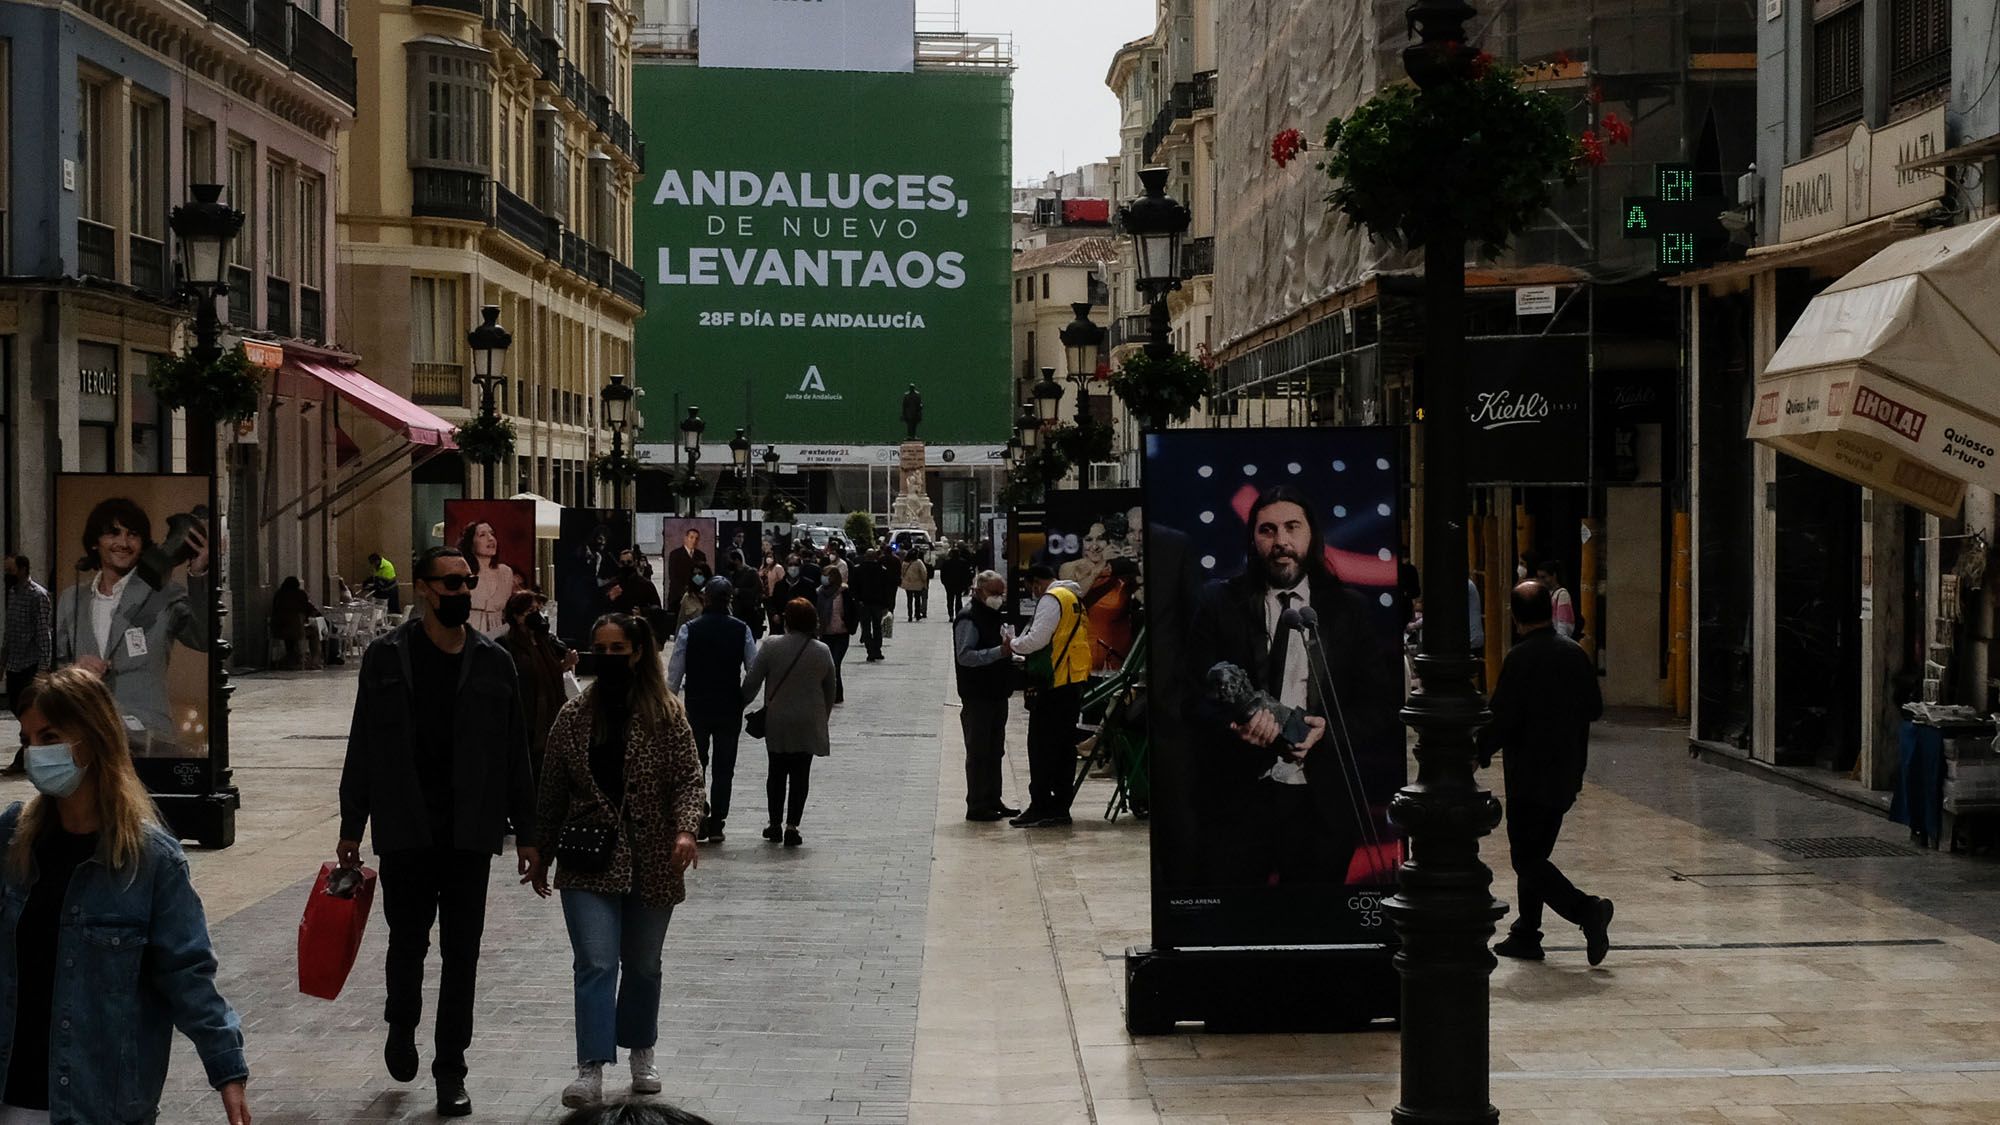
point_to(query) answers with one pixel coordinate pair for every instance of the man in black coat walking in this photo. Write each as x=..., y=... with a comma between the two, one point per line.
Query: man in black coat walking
x=711, y=652
x=877, y=592
x=437, y=763
x=1542, y=710
x=1281, y=815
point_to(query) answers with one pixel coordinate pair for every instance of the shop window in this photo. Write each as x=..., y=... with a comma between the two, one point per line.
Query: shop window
x=97, y=406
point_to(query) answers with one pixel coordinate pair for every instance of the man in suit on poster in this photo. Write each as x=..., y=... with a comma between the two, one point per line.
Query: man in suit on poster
x=1274, y=813
x=680, y=565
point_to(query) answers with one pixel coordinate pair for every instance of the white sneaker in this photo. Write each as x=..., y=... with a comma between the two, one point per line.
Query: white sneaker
x=645, y=1076
x=588, y=1089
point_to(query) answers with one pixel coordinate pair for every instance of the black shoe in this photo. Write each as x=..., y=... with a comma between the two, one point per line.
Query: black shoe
x=715, y=835
x=774, y=833
x=792, y=838
x=1597, y=931
x=400, y=1052
x=701, y=833
x=1520, y=947
x=986, y=815
x=1055, y=820
x=1027, y=819
x=452, y=1099
x=1003, y=810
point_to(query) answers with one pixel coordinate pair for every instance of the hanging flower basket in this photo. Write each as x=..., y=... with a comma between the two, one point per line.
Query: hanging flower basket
x=1160, y=392
x=1084, y=444
x=778, y=508
x=226, y=390
x=619, y=469
x=1027, y=481
x=1401, y=163
x=690, y=486
x=485, y=441
x=1286, y=146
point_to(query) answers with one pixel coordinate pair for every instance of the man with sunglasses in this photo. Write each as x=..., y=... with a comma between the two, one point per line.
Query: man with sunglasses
x=437, y=760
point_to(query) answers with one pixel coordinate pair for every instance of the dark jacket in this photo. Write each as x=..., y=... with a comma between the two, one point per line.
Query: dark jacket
x=713, y=687
x=850, y=612
x=872, y=584
x=992, y=680
x=492, y=784
x=538, y=668
x=1542, y=708
x=1228, y=625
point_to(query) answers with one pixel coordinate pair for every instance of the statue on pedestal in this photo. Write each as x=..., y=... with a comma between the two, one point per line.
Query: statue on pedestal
x=913, y=410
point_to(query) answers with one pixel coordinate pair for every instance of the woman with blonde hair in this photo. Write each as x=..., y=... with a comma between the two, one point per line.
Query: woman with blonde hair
x=621, y=801
x=101, y=933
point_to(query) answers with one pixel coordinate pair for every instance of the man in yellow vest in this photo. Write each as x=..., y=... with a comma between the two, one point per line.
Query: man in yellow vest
x=1061, y=631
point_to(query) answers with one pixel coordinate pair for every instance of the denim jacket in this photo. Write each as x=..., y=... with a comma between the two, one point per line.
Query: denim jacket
x=133, y=963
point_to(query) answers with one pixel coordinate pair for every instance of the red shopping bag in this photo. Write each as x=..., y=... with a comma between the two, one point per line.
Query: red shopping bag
x=330, y=933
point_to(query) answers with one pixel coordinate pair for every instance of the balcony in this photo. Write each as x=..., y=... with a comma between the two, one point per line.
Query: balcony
x=598, y=264
x=292, y=37
x=574, y=87
x=149, y=265
x=546, y=53
x=437, y=384
x=278, y=306
x=522, y=221
x=626, y=283
x=473, y=7
x=1197, y=258
x=575, y=256
x=438, y=193
x=241, y=287
x=96, y=250
x=312, y=321
x=1129, y=329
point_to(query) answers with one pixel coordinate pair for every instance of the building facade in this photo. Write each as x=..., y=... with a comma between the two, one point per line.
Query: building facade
x=496, y=167
x=112, y=111
x=1825, y=599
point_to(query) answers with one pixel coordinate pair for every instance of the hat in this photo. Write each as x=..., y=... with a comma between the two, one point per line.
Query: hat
x=716, y=585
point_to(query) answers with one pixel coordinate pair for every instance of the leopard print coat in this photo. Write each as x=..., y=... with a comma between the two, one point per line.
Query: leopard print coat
x=664, y=796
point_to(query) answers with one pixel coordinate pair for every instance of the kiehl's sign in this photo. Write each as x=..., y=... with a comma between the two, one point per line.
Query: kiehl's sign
x=1861, y=178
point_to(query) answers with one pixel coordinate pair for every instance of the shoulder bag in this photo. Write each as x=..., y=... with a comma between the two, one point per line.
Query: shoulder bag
x=587, y=849
x=755, y=723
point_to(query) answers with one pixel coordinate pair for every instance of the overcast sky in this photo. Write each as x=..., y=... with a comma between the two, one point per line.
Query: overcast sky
x=1064, y=115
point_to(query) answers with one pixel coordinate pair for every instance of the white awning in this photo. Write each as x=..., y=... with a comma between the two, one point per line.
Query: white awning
x=1891, y=377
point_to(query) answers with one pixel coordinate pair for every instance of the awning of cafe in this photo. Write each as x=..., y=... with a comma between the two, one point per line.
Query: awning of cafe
x=415, y=434
x=1891, y=376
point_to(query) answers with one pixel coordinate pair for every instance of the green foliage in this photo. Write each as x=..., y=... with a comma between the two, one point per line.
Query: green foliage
x=1160, y=392
x=1478, y=154
x=1083, y=444
x=689, y=485
x=622, y=468
x=225, y=390
x=1027, y=482
x=778, y=508
x=859, y=528
x=485, y=441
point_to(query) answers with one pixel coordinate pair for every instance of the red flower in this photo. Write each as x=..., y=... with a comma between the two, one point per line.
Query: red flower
x=1616, y=130
x=1596, y=94
x=1563, y=59
x=1286, y=146
x=1590, y=148
x=1482, y=64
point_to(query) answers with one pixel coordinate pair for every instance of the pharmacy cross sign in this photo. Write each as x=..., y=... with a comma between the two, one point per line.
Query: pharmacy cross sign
x=1682, y=224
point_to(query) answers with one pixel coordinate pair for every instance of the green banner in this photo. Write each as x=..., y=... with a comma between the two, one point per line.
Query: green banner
x=814, y=242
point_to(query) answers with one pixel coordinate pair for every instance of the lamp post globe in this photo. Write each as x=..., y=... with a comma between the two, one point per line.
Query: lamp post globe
x=1048, y=397
x=489, y=343
x=1082, y=342
x=1029, y=426
x=1157, y=222
x=203, y=230
x=739, y=455
x=691, y=428
x=616, y=396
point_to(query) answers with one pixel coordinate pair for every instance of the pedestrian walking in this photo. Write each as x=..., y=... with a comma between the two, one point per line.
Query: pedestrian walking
x=746, y=594
x=839, y=614
x=710, y=655
x=104, y=949
x=875, y=588
x=27, y=645
x=437, y=768
x=796, y=674
x=540, y=662
x=632, y=591
x=771, y=576
x=983, y=657
x=957, y=571
x=1542, y=709
x=800, y=584
x=1061, y=629
x=916, y=585
x=695, y=599
x=620, y=803
x=1548, y=572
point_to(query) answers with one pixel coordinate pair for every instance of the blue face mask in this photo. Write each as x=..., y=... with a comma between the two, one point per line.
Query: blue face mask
x=53, y=769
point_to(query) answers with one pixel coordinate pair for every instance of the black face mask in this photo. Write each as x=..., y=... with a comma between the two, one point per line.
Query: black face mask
x=614, y=678
x=536, y=622
x=454, y=610
x=13, y=580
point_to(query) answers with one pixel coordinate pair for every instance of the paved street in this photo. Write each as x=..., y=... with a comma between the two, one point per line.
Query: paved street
x=906, y=966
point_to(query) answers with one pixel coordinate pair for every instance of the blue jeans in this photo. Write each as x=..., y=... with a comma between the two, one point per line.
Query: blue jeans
x=607, y=933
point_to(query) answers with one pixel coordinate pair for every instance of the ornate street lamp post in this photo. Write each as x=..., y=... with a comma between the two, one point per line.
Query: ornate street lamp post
x=1156, y=221
x=617, y=412
x=489, y=343
x=1082, y=343
x=1444, y=911
x=691, y=428
x=739, y=453
x=203, y=229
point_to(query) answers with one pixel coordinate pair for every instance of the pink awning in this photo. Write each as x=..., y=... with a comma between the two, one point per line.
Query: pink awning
x=416, y=425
